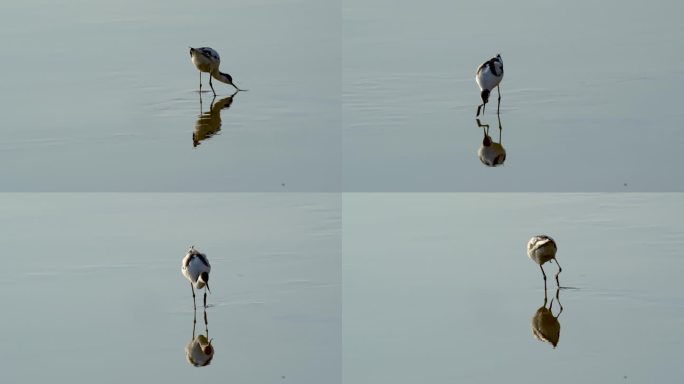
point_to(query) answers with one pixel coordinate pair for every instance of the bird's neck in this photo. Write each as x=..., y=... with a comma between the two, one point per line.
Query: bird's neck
x=220, y=77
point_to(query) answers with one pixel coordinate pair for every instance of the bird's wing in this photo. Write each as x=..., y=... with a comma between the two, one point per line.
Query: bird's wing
x=492, y=67
x=481, y=67
x=209, y=53
x=203, y=258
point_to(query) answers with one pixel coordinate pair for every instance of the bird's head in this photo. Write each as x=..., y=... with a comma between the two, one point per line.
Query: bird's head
x=228, y=79
x=192, y=50
x=204, y=278
x=485, y=96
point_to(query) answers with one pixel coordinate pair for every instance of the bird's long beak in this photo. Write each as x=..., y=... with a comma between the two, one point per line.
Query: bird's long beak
x=236, y=87
x=207, y=284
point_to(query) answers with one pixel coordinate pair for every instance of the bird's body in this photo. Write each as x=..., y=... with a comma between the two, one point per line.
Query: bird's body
x=208, y=60
x=195, y=267
x=488, y=76
x=540, y=249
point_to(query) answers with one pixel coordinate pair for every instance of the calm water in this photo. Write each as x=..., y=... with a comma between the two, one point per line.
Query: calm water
x=438, y=288
x=91, y=287
x=590, y=96
x=102, y=96
x=353, y=96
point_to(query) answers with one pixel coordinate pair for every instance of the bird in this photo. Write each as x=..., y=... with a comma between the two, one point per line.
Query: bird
x=208, y=60
x=540, y=249
x=488, y=77
x=196, y=268
x=545, y=325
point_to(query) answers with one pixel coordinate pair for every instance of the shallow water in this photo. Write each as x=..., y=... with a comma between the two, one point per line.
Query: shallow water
x=102, y=96
x=590, y=95
x=438, y=288
x=355, y=96
x=92, y=287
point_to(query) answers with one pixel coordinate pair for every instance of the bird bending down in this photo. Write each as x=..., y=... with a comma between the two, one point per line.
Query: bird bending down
x=196, y=269
x=208, y=60
x=541, y=249
x=488, y=76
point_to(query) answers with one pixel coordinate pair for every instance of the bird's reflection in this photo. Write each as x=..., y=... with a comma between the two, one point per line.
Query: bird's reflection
x=491, y=153
x=209, y=123
x=199, y=350
x=545, y=326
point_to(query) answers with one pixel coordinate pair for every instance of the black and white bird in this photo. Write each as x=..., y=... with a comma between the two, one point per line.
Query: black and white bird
x=488, y=77
x=196, y=269
x=208, y=60
x=540, y=249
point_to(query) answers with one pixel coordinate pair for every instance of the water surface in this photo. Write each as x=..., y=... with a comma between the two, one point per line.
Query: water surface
x=102, y=96
x=590, y=95
x=438, y=288
x=92, y=288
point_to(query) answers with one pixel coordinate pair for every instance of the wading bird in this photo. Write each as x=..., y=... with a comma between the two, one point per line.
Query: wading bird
x=196, y=269
x=541, y=249
x=208, y=60
x=488, y=76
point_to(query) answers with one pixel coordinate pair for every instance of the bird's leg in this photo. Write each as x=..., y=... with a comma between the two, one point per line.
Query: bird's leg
x=559, y=271
x=200, y=82
x=499, y=118
x=205, y=298
x=194, y=323
x=211, y=85
x=193, y=297
x=498, y=90
x=478, y=110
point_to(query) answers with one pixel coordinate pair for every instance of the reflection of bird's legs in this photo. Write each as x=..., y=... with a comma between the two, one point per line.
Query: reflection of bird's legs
x=212, y=103
x=205, y=298
x=211, y=85
x=498, y=89
x=193, y=296
x=558, y=300
x=200, y=81
x=559, y=271
x=544, y=274
x=206, y=324
x=194, y=322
